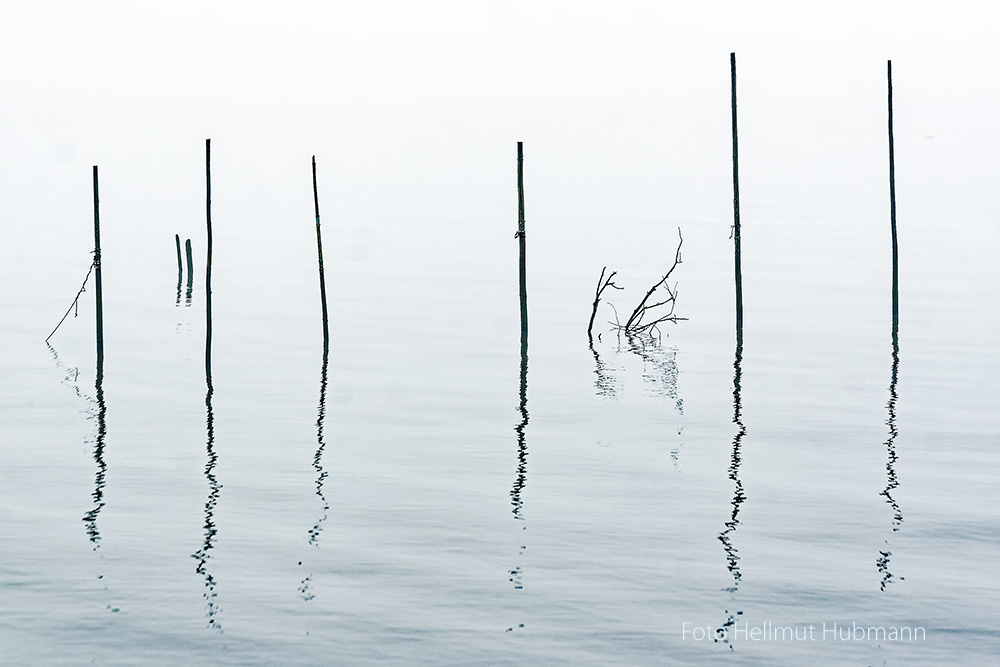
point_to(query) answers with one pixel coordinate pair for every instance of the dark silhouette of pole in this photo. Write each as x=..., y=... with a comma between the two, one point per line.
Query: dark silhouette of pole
x=203, y=555
x=521, y=478
x=208, y=259
x=97, y=278
x=180, y=266
x=520, y=237
x=91, y=517
x=892, y=210
x=190, y=265
x=892, y=480
x=736, y=210
x=319, y=251
x=305, y=588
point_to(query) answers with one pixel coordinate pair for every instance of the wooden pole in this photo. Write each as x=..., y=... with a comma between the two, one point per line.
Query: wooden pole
x=180, y=265
x=892, y=209
x=97, y=279
x=208, y=260
x=736, y=211
x=190, y=265
x=520, y=236
x=319, y=251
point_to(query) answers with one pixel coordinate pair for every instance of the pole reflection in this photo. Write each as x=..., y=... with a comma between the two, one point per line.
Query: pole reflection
x=735, y=462
x=892, y=481
x=725, y=632
x=90, y=518
x=321, y=474
x=521, y=478
x=98, y=411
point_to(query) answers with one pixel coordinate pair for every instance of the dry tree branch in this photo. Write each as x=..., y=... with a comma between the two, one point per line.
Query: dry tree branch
x=602, y=284
x=635, y=323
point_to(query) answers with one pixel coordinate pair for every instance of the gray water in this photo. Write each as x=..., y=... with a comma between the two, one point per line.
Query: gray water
x=436, y=501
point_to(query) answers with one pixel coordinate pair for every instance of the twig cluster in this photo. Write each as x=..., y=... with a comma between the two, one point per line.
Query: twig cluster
x=602, y=284
x=647, y=316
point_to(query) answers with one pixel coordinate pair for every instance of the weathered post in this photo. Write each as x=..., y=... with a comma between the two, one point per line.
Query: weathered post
x=319, y=251
x=98, y=285
x=736, y=210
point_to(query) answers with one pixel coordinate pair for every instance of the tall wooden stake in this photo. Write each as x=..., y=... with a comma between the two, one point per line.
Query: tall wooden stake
x=208, y=260
x=190, y=263
x=736, y=211
x=319, y=250
x=520, y=237
x=180, y=265
x=892, y=209
x=97, y=279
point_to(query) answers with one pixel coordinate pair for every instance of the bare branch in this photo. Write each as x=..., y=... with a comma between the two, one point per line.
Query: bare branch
x=646, y=316
x=602, y=284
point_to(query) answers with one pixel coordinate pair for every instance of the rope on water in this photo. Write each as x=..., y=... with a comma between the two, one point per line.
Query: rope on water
x=73, y=305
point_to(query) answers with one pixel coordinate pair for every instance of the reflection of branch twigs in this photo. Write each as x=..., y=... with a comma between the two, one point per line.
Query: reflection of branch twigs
x=602, y=284
x=76, y=301
x=605, y=382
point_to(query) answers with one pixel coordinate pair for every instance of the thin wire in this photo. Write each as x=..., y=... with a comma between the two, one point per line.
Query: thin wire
x=75, y=301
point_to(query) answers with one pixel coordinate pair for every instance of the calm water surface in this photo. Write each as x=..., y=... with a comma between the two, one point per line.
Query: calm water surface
x=425, y=499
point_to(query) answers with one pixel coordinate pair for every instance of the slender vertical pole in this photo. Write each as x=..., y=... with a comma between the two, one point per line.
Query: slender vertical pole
x=521, y=480
x=180, y=265
x=892, y=208
x=203, y=555
x=97, y=279
x=305, y=591
x=736, y=210
x=180, y=268
x=208, y=260
x=90, y=518
x=319, y=250
x=520, y=236
x=190, y=263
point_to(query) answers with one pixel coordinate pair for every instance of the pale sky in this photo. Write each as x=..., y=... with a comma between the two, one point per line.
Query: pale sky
x=387, y=92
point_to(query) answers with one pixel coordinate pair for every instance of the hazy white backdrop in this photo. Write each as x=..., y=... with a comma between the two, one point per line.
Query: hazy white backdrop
x=413, y=110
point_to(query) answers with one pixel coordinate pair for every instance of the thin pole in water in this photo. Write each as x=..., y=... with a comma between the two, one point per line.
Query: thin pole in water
x=736, y=210
x=208, y=259
x=97, y=278
x=180, y=265
x=520, y=236
x=319, y=250
x=892, y=209
x=190, y=264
